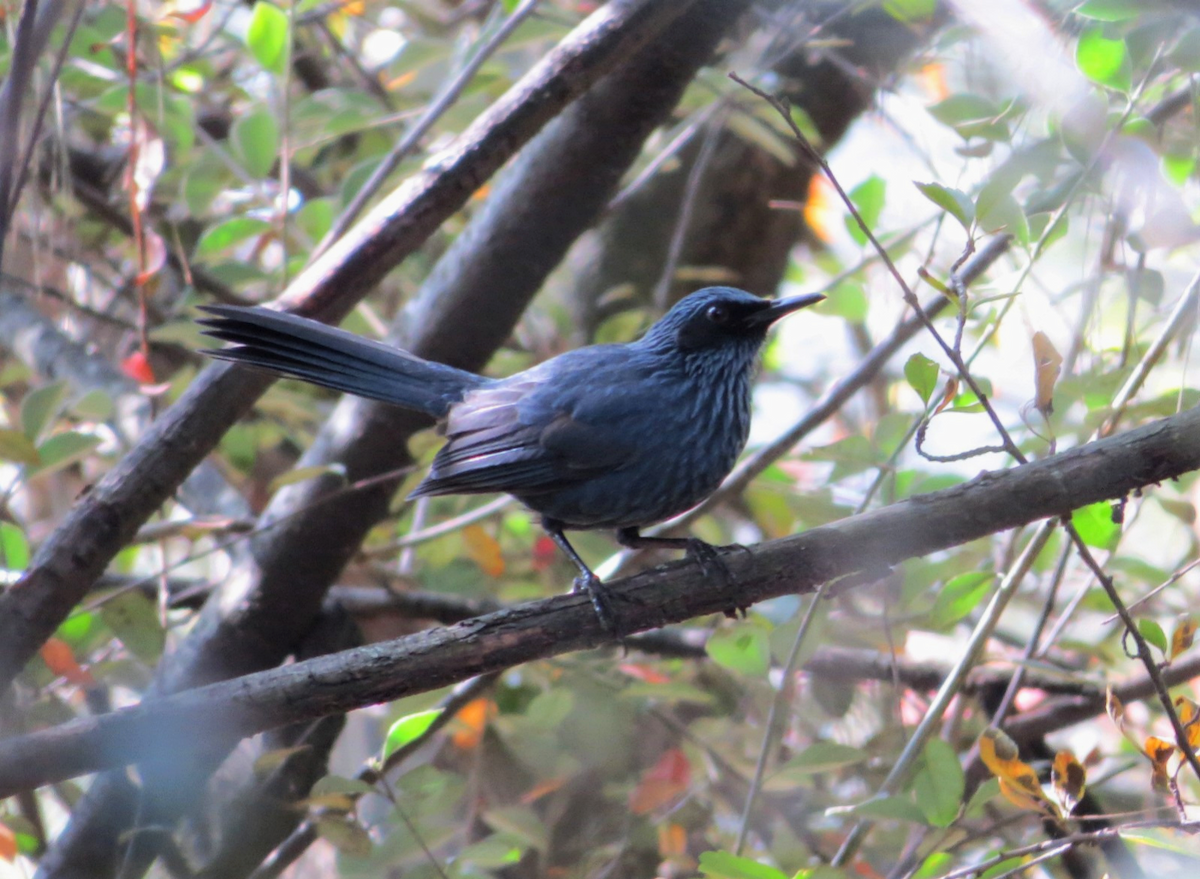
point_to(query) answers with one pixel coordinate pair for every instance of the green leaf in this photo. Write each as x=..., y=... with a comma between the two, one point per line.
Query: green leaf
x=14, y=548
x=408, y=729
x=1186, y=51
x=133, y=618
x=885, y=809
x=997, y=209
x=971, y=116
x=1095, y=524
x=301, y=474
x=1154, y=634
x=959, y=597
x=315, y=218
x=955, y=202
x=1008, y=867
x=521, y=823
x=847, y=300
x=225, y=235
x=346, y=835
x=869, y=198
x=95, y=405
x=934, y=865
x=744, y=649
x=64, y=449
x=939, y=784
x=822, y=757
x=1110, y=10
x=1103, y=60
x=922, y=376
x=491, y=853
x=77, y=627
x=850, y=455
x=256, y=142
x=267, y=36
x=910, y=11
x=39, y=408
x=724, y=865
x=338, y=784
x=1178, y=169
x=16, y=447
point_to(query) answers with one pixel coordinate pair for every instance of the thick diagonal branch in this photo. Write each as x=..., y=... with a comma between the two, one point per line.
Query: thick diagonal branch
x=991, y=502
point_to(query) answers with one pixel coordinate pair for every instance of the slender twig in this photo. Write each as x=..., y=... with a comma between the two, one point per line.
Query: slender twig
x=60, y=58
x=952, y=685
x=1143, y=649
x=909, y=297
x=1182, y=314
x=305, y=834
x=778, y=706
x=12, y=96
x=687, y=206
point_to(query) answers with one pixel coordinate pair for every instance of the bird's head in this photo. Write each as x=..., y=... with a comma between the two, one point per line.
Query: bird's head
x=721, y=318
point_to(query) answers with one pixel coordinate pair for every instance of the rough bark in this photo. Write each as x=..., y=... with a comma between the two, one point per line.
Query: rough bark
x=866, y=544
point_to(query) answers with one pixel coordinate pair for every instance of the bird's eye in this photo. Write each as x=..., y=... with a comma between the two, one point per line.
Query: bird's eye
x=718, y=314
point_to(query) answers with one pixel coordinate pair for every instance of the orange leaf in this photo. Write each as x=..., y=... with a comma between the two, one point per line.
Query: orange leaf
x=1160, y=753
x=672, y=840
x=662, y=783
x=8, y=844
x=933, y=78
x=1048, y=364
x=400, y=81
x=484, y=550
x=1182, y=637
x=948, y=395
x=1189, y=717
x=59, y=658
x=1018, y=781
x=1069, y=779
x=137, y=367
x=194, y=15
x=644, y=673
x=819, y=214
x=1116, y=710
x=539, y=790
x=471, y=721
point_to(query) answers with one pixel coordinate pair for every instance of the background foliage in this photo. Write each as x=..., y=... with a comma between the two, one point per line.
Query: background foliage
x=167, y=155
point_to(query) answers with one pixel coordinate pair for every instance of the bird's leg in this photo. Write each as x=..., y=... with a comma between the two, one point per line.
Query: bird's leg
x=587, y=581
x=707, y=556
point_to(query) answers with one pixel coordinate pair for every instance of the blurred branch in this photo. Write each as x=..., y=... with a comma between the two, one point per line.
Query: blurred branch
x=991, y=502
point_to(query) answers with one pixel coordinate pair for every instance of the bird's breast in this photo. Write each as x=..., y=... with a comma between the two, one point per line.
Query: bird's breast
x=684, y=439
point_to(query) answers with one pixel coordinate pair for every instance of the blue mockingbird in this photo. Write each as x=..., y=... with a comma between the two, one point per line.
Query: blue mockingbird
x=606, y=436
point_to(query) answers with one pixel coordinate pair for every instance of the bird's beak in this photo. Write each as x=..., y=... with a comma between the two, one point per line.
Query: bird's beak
x=780, y=307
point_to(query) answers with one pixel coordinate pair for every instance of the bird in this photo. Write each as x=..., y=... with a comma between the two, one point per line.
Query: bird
x=607, y=436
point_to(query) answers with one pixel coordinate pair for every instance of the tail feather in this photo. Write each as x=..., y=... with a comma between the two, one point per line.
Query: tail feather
x=333, y=358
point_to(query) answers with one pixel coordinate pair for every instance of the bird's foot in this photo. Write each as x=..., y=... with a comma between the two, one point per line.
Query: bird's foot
x=601, y=600
x=708, y=557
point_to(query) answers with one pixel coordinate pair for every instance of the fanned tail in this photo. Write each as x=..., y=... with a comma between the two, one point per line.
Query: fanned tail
x=333, y=358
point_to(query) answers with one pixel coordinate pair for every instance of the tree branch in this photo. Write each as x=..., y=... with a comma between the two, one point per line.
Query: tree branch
x=991, y=502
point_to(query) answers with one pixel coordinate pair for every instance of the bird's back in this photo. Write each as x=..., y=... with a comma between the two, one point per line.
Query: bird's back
x=608, y=436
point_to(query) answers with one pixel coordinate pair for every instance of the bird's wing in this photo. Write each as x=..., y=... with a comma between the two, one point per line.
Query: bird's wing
x=540, y=430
